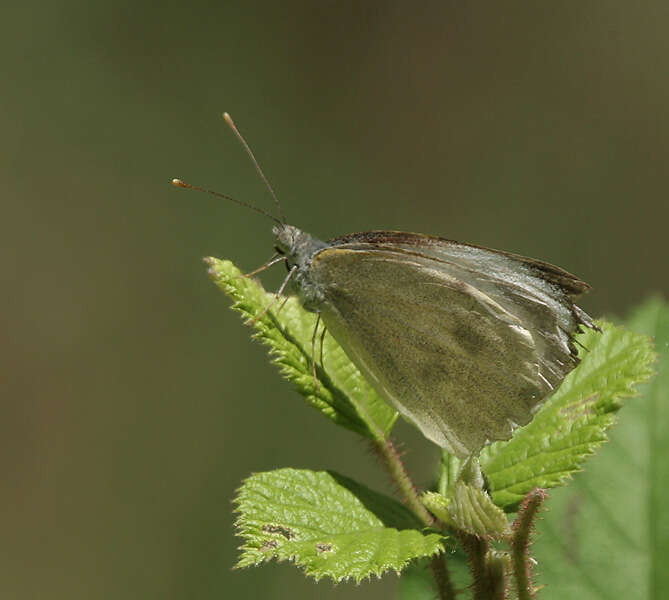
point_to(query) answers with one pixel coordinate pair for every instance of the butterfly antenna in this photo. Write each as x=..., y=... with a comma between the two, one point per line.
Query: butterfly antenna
x=197, y=188
x=240, y=137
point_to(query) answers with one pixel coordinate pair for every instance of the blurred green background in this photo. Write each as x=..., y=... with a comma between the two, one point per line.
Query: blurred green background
x=133, y=401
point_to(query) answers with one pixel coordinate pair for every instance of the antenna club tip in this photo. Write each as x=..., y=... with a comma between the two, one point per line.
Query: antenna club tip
x=227, y=118
x=179, y=183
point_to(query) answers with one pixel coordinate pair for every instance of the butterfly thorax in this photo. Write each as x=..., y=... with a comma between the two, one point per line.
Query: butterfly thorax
x=299, y=248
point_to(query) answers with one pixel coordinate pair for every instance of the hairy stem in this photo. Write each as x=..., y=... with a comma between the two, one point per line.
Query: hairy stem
x=393, y=462
x=520, y=543
x=476, y=549
x=497, y=566
x=400, y=477
x=442, y=578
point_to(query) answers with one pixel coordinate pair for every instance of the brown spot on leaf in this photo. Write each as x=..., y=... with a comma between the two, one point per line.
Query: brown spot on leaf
x=268, y=545
x=280, y=529
x=324, y=547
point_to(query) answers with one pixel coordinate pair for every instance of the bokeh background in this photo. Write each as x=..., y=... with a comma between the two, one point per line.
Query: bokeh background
x=133, y=402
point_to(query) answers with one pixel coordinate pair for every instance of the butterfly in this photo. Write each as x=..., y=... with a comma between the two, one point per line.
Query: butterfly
x=464, y=341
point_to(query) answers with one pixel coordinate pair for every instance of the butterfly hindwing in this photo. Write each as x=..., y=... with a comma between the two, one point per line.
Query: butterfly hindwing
x=464, y=341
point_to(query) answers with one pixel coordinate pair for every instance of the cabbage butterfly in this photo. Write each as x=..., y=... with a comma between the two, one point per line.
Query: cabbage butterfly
x=464, y=341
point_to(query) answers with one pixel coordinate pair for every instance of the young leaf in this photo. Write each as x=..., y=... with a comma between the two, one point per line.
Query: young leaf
x=438, y=505
x=468, y=509
x=574, y=421
x=462, y=503
x=342, y=393
x=327, y=524
x=606, y=534
x=450, y=469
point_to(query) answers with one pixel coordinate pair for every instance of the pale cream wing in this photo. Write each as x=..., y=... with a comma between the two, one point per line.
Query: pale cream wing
x=464, y=346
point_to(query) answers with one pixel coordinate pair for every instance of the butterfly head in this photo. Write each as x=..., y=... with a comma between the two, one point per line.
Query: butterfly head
x=296, y=245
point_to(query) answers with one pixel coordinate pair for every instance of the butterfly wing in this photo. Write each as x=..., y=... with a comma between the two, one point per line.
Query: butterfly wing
x=464, y=341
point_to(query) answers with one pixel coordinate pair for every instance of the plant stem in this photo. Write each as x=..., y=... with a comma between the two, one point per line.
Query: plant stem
x=476, y=549
x=520, y=543
x=400, y=476
x=497, y=566
x=487, y=568
x=442, y=578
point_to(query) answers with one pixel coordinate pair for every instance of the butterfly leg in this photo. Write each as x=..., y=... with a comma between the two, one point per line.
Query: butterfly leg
x=322, y=340
x=278, y=310
x=313, y=352
x=272, y=261
x=277, y=296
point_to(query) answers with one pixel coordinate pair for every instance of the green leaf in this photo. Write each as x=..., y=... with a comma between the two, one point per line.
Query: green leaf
x=342, y=393
x=606, y=535
x=573, y=423
x=327, y=524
